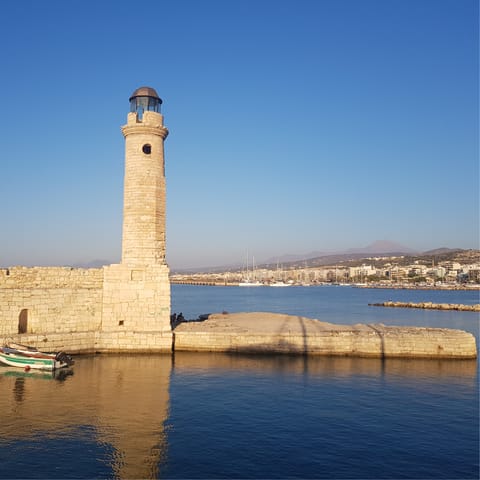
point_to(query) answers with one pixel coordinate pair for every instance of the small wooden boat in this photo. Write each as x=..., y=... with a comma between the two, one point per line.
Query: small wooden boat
x=16, y=355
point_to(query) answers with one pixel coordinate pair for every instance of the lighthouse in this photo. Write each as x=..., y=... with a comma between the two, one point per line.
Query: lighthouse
x=143, y=239
x=136, y=292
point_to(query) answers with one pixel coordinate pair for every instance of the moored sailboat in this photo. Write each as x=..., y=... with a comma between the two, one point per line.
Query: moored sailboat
x=247, y=281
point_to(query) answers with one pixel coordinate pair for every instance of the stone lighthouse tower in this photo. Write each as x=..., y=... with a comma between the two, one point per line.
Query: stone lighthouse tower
x=143, y=240
x=136, y=292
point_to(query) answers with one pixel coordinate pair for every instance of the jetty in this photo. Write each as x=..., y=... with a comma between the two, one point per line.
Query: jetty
x=263, y=332
x=430, y=306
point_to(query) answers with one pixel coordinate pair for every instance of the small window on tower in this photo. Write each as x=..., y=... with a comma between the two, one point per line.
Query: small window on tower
x=147, y=149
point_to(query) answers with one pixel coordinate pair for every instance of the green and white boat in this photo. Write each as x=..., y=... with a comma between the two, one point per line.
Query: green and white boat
x=25, y=357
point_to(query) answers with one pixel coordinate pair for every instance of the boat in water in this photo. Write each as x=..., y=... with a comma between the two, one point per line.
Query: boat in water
x=279, y=284
x=250, y=281
x=21, y=356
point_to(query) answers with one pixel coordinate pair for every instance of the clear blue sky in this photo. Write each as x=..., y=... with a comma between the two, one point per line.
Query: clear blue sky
x=294, y=126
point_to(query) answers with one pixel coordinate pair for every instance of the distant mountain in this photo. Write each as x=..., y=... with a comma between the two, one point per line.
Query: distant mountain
x=287, y=258
x=440, y=251
x=382, y=246
x=93, y=264
x=379, y=247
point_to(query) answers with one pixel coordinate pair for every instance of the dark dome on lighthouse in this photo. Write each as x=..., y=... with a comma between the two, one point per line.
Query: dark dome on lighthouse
x=145, y=98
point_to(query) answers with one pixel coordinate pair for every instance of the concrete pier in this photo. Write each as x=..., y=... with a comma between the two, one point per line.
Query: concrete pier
x=261, y=332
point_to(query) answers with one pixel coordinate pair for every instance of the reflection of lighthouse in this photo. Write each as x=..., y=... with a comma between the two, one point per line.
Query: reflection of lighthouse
x=136, y=292
x=117, y=401
x=144, y=186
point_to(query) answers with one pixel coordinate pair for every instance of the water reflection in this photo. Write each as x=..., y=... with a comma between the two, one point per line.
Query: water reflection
x=18, y=389
x=395, y=369
x=112, y=412
x=121, y=401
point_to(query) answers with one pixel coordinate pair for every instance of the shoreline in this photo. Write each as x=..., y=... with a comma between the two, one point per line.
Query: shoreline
x=426, y=287
x=212, y=283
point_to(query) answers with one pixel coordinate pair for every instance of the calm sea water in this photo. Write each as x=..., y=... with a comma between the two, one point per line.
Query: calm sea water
x=244, y=416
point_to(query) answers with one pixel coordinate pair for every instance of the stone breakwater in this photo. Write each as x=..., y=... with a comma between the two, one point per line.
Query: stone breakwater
x=262, y=332
x=431, y=306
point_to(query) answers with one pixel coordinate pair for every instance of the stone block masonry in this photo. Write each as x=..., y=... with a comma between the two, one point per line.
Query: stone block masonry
x=135, y=309
x=50, y=299
x=143, y=240
x=263, y=332
x=115, y=308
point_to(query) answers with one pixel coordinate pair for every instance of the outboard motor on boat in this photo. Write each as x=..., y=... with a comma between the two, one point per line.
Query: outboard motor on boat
x=64, y=358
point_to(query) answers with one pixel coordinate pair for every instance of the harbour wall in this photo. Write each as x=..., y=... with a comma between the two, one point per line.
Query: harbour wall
x=262, y=332
x=394, y=342
x=118, y=308
x=111, y=309
x=50, y=299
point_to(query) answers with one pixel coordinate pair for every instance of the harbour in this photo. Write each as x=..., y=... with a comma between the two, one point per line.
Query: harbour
x=218, y=415
x=320, y=137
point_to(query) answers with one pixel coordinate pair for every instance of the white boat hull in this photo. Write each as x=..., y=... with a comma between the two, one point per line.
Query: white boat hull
x=30, y=358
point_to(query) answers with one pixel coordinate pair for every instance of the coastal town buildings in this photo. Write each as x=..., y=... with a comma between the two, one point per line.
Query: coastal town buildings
x=380, y=271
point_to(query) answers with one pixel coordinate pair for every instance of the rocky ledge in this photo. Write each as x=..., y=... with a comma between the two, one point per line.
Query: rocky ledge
x=262, y=332
x=429, y=305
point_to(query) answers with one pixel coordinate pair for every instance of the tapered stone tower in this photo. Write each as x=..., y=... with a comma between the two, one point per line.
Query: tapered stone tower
x=144, y=186
x=136, y=292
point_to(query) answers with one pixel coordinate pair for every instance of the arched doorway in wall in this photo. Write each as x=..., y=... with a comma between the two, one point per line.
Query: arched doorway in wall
x=23, y=321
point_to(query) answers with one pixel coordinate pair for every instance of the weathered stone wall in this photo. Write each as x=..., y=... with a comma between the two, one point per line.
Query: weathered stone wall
x=50, y=299
x=78, y=342
x=260, y=332
x=136, y=299
x=143, y=241
x=394, y=342
x=114, y=308
x=136, y=309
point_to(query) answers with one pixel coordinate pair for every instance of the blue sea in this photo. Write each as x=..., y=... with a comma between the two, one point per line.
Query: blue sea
x=192, y=415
